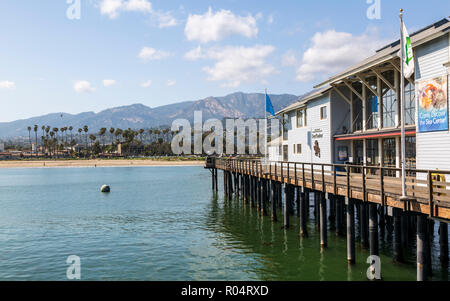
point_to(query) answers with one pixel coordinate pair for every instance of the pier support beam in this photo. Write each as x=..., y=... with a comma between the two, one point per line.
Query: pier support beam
x=339, y=216
x=332, y=217
x=422, y=240
x=317, y=209
x=364, y=223
x=303, y=213
x=373, y=229
x=323, y=220
x=443, y=243
x=286, y=206
x=350, y=231
x=264, y=197
x=273, y=201
x=253, y=195
x=225, y=184
x=398, y=249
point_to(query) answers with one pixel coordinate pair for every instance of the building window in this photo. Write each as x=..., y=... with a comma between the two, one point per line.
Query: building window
x=410, y=104
x=301, y=118
x=323, y=113
x=357, y=114
x=371, y=109
x=285, y=126
x=410, y=152
x=389, y=108
x=372, y=152
x=285, y=153
x=297, y=148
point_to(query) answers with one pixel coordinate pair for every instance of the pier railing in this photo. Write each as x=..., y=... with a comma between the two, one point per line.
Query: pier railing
x=428, y=190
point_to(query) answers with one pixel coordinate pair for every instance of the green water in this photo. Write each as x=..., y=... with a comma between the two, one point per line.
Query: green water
x=160, y=223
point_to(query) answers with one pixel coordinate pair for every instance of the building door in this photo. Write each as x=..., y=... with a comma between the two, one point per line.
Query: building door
x=389, y=155
x=285, y=153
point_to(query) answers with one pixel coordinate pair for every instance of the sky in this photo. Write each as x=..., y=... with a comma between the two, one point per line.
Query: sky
x=121, y=52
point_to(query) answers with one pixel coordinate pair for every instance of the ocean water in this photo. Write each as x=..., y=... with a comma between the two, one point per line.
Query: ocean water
x=161, y=223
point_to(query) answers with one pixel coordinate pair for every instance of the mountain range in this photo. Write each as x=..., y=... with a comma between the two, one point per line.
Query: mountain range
x=136, y=116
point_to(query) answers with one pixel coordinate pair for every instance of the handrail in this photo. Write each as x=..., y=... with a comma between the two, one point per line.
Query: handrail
x=381, y=179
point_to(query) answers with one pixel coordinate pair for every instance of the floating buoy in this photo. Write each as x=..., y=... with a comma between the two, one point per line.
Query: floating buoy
x=105, y=188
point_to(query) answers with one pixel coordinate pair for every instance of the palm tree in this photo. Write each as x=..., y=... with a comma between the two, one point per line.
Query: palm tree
x=111, y=131
x=29, y=135
x=35, y=134
x=71, y=137
x=80, y=130
x=102, y=133
x=51, y=135
x=141, y=131
x=86, y=130
x=118, y=133
x=56, y=130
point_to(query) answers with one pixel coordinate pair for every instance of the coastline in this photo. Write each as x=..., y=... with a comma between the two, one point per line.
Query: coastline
x=96, y=163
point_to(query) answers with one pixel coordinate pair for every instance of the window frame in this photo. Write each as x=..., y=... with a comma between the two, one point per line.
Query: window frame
x=321, y=113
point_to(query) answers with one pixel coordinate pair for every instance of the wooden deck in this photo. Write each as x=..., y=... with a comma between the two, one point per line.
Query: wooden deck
x=428, y=192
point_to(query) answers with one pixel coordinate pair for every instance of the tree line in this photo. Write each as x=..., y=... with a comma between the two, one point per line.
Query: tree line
x=83, y=143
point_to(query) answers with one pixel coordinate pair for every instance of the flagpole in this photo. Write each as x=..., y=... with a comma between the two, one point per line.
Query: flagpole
x=402, y=105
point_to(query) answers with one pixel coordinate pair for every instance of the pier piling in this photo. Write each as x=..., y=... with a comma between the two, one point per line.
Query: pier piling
x=323, y=220
x=286, y=206
x=373, y=229
x=421, y=247
x=273, y=196
x=303, y=213
x=398, y=248
x=350, y=231
x=443, y=243
x=364, y=223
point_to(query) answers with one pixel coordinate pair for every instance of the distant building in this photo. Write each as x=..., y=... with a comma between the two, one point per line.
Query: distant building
x=2, y=147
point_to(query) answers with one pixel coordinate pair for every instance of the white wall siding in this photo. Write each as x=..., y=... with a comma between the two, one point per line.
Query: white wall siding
x=430, y=58
x=303, y=135
x=433, y=149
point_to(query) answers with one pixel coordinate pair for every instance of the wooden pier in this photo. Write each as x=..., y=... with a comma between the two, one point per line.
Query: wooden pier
x=370, y=193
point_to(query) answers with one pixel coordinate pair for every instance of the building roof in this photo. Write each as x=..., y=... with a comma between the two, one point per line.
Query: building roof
x=390, y=51
x=302, y=101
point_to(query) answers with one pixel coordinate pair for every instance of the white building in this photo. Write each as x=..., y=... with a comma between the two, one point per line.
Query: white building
x=355, y=115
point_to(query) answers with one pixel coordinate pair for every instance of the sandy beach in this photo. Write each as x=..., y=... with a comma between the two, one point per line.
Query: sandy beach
x=96, y=163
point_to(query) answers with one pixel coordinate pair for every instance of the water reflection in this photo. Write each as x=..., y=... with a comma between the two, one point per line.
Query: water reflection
x=282, y=255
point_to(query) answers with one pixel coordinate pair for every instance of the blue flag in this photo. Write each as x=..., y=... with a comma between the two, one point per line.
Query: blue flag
x=375, y=104
x=269, y=106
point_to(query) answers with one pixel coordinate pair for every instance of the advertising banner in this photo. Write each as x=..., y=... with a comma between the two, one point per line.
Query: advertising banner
x=433, y=105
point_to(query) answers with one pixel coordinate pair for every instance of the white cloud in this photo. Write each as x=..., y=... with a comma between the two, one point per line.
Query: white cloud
x=165, y=19
x=6, y=84
x=149, y=53
x=83, y=86
x=194, y=54
x=332, y=51
x=112, y=9
x=270, y=20
x=171, y=83
x=138, y=5
x=290, y=59
x=146, y=84
x=217, y=26
x=109, y=82
x=235, y=65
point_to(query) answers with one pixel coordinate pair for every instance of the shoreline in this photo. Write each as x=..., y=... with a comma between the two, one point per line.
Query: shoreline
x=97, y=163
